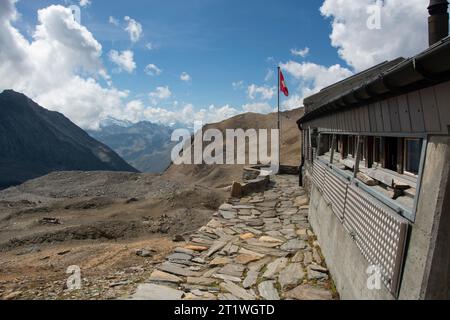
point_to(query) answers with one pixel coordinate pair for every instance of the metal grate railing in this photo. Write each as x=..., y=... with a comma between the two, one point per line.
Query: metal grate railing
x=379, y=233
x=335, y=192
x=319, y=171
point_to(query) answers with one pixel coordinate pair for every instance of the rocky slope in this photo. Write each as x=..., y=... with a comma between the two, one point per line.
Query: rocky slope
x=100, y=221
x=257, y=248
x=223, y=175
x=35, y=141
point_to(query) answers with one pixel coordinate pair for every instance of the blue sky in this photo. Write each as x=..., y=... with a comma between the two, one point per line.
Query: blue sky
x=217, y=43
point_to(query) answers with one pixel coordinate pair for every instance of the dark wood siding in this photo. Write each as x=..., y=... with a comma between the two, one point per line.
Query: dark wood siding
x=443, y=101
x=379, y=117
x=431, y=113
x=405, y=118
x=394, y=116
x=386, y=116
x=418, y=112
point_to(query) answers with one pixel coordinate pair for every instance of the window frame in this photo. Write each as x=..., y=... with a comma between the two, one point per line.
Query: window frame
x=342, y=145
x=405, y=156
x=377, y=151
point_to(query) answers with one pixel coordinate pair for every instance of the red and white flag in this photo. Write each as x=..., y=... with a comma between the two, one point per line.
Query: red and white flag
x=283, y=87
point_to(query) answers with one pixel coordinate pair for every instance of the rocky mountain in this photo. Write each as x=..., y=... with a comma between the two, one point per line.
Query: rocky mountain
x=222, y=175
x=144, y=145
x=35, y=141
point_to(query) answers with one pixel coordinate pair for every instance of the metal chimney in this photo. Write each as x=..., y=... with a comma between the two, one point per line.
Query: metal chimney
x=438, y=20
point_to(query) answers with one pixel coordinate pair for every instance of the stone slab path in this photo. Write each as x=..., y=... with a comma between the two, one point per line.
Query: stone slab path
x=256, y=248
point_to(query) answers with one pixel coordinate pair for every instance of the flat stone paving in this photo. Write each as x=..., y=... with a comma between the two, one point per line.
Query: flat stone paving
x=260, y=247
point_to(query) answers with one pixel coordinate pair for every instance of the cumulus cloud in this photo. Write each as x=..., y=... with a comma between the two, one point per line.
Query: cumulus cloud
x=152, y=70
x=185, y=77
x=123, y=60
x=265, y=93
x=161, y=93
x=113, y=21
x=134, y=29
x=362, y=47
x=294, y=101
x=300, y=53
x=85, y=3
x=60, y=68
x=261, y=107
x=214, y=114
x=269, y=75
x=136, y=110
x=358, y=45
x=238, y=85
x=312, y=77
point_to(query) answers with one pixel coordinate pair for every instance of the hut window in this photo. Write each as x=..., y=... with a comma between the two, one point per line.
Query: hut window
x=351, y=147
x=390, y=153
x=412, y=154
x=377, y=151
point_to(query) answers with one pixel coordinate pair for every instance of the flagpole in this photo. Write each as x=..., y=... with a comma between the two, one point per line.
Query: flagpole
x=279, y=117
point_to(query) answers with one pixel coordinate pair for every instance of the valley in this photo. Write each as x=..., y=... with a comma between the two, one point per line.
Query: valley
x=95, y=220
x=144, y=145
x=116, y=226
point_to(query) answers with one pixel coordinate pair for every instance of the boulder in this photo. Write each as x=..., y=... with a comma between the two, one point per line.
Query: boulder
x=156, y=292
x=307, y=292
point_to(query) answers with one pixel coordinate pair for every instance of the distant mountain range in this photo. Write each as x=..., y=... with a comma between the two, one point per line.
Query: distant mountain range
x=35, y=141
x=144, y=145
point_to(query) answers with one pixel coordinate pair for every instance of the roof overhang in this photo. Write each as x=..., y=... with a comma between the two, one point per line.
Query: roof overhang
x=425, y=69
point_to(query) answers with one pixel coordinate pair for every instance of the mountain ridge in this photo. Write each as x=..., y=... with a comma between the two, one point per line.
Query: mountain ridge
x=35, y=141
x=145, y=145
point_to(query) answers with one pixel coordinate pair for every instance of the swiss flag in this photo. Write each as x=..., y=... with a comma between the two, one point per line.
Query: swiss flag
x=283, y=87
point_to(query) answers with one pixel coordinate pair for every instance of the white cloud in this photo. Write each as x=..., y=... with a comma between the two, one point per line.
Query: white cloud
x=123, y=60
x=265, y=93
x=403, y=30
x=238, y=85
x=261, y=107
x=113, y=21
x=84, y=101
x=161, y=93
x=150, y=46
x=152, y=70
x=300, y=53
x=214, y=114
x=85, y=3
x=269, y=75
x=185, y=77
x=293, y=102
x=313, y=78
x=134, y=29
x=60, y=68
x=358, y=45
x=137, y=111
